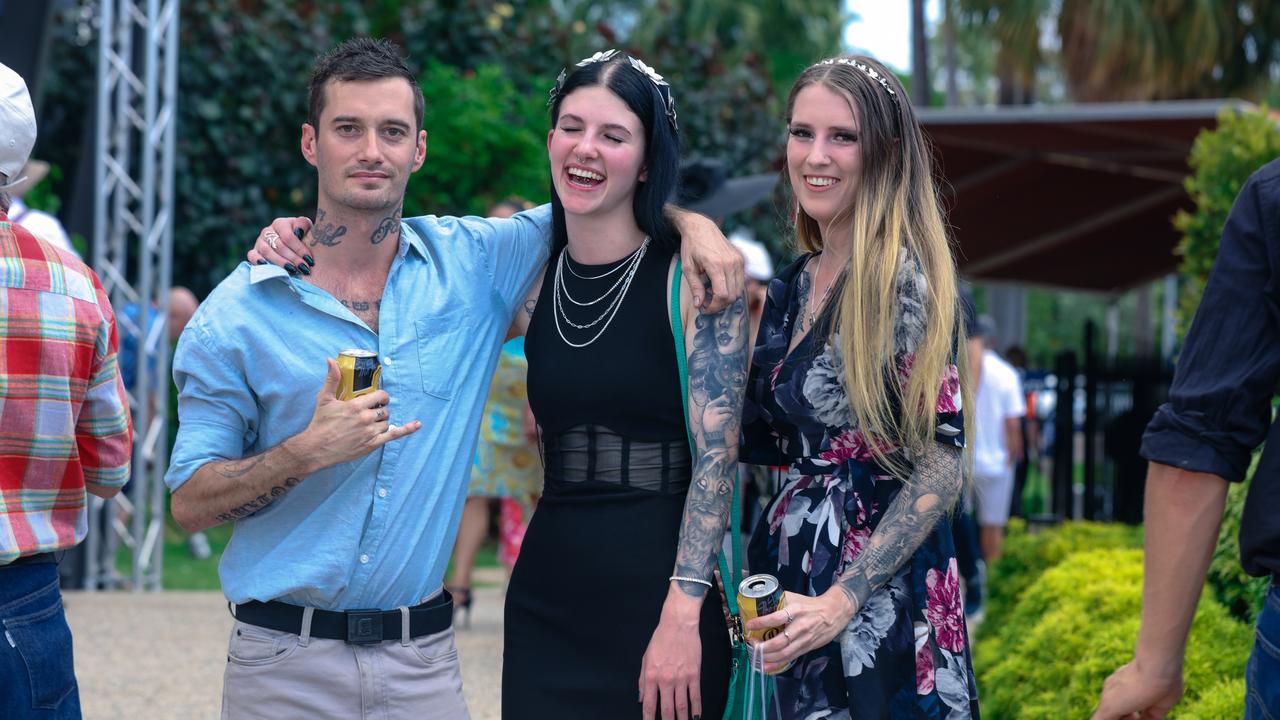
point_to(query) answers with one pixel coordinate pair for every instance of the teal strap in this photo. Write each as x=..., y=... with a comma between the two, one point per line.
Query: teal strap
x=730, y=568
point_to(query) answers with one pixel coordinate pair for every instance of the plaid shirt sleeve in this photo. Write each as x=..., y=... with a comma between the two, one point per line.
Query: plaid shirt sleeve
x=103, y=434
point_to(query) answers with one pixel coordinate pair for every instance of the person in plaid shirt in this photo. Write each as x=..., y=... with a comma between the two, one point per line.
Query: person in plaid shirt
x=64, y=430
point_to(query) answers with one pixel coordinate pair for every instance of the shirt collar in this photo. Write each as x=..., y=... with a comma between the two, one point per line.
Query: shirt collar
x=408, y=240
x=258, y=273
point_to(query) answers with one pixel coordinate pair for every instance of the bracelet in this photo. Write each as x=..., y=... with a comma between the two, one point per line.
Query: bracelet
x=689, y=579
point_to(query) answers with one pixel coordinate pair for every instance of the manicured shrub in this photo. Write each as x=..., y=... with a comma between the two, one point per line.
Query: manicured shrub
x=1077, y=623
x=1027, y=555
x=1224, y=700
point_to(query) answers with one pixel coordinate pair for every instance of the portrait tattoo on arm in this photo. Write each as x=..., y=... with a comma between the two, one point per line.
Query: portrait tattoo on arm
x=923, y=501
x=717, y=382
x=326, y=233
x=390, y=226
x=803, y=283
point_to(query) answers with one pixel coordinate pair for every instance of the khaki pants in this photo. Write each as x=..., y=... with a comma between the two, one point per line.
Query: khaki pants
x=277, y=675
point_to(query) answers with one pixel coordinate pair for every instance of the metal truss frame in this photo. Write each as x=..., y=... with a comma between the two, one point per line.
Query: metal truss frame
x=133, y=255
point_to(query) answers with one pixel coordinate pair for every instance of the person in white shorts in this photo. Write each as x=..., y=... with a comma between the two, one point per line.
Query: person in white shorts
x=997, y=444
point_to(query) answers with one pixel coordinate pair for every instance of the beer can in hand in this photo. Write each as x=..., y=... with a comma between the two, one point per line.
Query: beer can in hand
x=360, y=373
x=760, y=595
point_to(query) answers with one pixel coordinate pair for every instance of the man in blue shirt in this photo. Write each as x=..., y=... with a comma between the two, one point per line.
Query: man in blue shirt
x=345, y=512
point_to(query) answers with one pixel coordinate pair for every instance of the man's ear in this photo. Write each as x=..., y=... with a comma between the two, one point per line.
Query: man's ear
x=644, y=175
x=309, y=140
x=420, y=154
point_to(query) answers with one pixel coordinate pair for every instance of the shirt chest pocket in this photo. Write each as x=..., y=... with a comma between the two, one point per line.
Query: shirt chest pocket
x=440, y=346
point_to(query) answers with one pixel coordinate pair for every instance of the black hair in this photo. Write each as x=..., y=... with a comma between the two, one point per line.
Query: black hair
x=661, y=148
x=359, y=58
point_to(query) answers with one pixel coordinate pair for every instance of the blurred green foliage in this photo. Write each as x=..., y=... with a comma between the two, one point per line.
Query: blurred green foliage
x=485, y=68
x=1221, y=161
x=1241, y=594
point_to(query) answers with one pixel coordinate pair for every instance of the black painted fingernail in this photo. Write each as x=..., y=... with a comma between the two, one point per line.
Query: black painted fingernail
x=697, y=717
x=262, y=262
x=304, y=269
x=310, y=260
x=299, y=233
x=290, y=268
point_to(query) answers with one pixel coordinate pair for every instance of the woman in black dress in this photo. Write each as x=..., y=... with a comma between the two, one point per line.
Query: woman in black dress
x=610, y=611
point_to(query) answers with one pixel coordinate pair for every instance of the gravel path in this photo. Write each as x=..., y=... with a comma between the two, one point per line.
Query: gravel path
x=143, y=656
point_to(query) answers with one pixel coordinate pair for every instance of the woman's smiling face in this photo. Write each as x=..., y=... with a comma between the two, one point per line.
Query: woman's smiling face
x=824, y=155
x=596, y=152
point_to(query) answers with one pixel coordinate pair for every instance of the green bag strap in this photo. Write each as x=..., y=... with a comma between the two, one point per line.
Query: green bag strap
x=730, y=572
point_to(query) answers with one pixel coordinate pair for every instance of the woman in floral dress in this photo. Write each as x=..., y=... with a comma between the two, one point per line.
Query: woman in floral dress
x=855, y=388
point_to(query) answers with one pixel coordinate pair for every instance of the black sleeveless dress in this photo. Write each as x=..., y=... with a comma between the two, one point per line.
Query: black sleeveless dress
x=587, y=591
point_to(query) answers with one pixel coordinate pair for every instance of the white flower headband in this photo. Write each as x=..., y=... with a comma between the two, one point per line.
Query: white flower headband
x=664, y=89
x=866, y=70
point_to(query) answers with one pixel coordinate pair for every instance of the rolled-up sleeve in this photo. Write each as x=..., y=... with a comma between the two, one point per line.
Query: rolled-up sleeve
x=216, y=408
x=515, y=249
x=1219, y=406
x=104, y=438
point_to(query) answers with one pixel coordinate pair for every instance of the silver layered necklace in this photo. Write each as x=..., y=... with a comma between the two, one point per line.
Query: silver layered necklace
x=618, y=290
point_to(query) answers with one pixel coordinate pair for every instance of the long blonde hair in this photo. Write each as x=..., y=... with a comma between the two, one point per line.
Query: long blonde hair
x=896, y=211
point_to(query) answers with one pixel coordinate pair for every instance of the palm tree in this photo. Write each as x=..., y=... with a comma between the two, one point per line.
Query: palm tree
x=1135, y=49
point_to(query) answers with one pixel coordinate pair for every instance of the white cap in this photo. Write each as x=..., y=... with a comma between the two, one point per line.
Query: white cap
x=17, y=125
x=759, y=265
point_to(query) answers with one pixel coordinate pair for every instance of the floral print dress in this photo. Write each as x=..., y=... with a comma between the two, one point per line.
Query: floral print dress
x=906, y=653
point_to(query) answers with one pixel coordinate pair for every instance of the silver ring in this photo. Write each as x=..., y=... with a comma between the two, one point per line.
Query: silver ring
x=785, y=635
x=787, y=610
x=382, y=415
x=272, y=239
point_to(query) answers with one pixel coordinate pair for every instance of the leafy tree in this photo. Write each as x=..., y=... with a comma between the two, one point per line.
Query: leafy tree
x=485, y=68
x=1221, y=161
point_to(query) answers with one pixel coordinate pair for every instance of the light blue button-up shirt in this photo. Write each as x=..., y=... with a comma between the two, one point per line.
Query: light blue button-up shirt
x=374, y=533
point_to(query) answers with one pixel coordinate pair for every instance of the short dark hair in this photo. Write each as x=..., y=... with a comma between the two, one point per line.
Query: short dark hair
x=360, y=58
x=661, y=151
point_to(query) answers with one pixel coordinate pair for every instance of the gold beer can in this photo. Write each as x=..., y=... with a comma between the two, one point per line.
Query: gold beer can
x=360, y=373
x=760, y=595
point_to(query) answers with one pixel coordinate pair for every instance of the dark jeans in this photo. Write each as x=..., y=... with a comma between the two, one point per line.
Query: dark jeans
x=37, y=676
x=1262, y=674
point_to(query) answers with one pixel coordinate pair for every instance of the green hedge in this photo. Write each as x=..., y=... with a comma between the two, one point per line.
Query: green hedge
x=1075, y=624
x=1027, y=555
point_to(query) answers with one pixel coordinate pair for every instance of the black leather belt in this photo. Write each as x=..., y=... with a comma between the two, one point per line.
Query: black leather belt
x=356, y=627
x=48, y=558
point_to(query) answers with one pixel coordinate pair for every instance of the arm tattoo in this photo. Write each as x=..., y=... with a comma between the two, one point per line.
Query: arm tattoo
x=923, y=501
x=388, y=227
x=717, y=381
x=235, y=469
x=258, y=503
x=530, y=306
x=324, y=233
x=802, y=300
